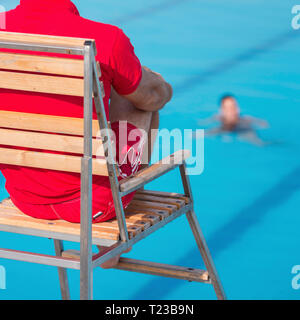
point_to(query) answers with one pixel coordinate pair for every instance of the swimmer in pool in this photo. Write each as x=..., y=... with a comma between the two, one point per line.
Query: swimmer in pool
x=231, y=121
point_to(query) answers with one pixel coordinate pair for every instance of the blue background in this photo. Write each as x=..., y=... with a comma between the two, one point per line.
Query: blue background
x=247, y=198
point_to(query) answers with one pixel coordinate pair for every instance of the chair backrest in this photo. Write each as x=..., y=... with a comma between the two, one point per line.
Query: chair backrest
x=64, y=75
x=46, y=74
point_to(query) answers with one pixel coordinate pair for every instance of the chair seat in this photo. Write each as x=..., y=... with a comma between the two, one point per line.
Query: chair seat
x=146, y=209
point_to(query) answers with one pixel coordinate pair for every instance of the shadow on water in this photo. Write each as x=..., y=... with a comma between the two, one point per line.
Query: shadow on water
x=218, y=68
x=147, y=11
x=233, y=230
x=250, y=216
x=228, y=64
x=228, y=234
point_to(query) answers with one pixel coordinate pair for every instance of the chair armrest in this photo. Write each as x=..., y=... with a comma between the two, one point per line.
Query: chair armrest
x=153, y=172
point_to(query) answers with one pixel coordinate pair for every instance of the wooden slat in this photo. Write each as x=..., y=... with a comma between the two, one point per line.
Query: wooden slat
x=49, y=161
x=6, y=203
x=178, y=203
x=44, y=123
x=172, y=195
x=161, y=214
x=133, y=224
x=154, y=171
x=151, y=218
x=46, y=141
x=141, y=216
x=132, y=220
x=42, y=39
x=133, y=230
x=160, y=206
x=41, y=64
x=109, y=229
x=11, y=216
x=41, y=83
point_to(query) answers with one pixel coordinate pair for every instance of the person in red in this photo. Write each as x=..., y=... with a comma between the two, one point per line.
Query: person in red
x=132, y=93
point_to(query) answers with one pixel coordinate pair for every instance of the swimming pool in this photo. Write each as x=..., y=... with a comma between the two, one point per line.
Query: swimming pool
x=247, y=198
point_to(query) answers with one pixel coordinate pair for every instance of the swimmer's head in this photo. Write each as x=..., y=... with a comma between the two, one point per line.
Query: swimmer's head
x=230, y=111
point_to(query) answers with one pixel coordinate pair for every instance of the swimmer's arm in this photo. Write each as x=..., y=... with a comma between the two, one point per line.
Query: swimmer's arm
x=207, y=121
x=253, y=138
x=207, y=133
x=213, y=132
x=257, y=122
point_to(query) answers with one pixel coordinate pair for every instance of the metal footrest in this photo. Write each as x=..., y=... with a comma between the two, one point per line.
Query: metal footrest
x=157, y=269
x=163, y=270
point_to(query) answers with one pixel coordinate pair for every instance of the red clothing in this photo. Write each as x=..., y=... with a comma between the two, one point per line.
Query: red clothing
x=103, y=204
x=102, y=208
x=120, y=68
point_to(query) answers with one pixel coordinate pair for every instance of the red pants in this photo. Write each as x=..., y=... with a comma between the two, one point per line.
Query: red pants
x=129, y=155
x=70, y=210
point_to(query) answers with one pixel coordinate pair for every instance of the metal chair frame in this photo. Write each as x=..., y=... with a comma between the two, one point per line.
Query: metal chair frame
x=88, y=261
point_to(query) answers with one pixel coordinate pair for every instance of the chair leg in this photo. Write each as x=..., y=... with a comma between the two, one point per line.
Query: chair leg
x=62, y=272
x=206, y=256
x=86, y=282
x=199, y=237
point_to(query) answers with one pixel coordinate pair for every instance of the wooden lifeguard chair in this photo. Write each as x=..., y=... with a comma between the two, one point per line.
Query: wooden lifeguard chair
x=149, y=211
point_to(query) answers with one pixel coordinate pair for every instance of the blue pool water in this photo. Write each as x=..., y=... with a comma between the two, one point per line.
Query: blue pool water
x=247, y=198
